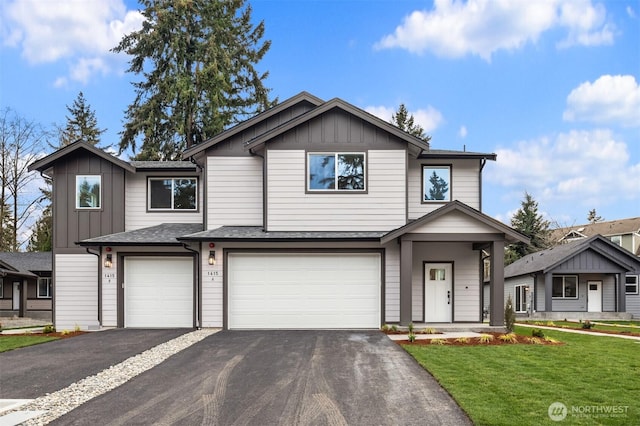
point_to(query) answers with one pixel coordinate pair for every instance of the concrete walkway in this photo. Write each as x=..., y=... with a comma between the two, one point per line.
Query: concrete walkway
x=572, y=330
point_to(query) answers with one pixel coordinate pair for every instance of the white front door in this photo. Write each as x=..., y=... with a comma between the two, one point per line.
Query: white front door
x=16, y=295
x=594, y=296
x=438, y=292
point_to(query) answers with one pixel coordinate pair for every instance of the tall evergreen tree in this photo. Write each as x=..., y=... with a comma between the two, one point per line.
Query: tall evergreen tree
x=404, y=121
x=197, y=59
x=528, y=221
x=6, y=227
x=594, y=217
x=81, y=124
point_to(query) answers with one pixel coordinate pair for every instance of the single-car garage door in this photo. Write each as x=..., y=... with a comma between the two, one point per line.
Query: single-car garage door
x=304, y=291
x=158, y=292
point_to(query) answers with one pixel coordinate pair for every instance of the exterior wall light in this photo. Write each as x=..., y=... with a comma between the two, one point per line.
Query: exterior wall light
x=212, y=257
x=108, y=261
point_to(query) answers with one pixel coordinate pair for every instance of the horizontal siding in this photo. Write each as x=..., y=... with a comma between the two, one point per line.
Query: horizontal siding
x=465, y=185
x=39, y=305
x=456, y=223
x=290, y=208
x=76, y=291
x=633, y=305
x=509, y=289
x=136, y=215
x=392, y=283
x=608, y=293
x=110, y=292
x=234, y=191
x=212, y=285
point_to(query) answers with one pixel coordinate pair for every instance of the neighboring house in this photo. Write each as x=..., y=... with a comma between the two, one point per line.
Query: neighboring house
x=311, y=214
x=623, y=232
x=589, y=278
x=25, y=285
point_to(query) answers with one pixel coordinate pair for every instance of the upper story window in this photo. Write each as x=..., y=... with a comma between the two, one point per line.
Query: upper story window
x=565, y=287
x=173, y=193
x=631, y=284
x=88, y=192
x=336, y=172
x=617, y=239
x=44, y=288
x=436, y=183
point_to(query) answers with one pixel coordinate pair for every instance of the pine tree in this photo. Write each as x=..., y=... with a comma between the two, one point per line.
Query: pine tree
x=528, y=221
x=81, y=124
x=6, y=227
x=439, y=188
x=404, y=121
x=593, y=217
x=42, y=231
x=197, y=59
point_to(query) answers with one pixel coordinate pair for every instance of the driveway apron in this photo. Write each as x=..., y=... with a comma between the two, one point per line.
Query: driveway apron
x=279, y=378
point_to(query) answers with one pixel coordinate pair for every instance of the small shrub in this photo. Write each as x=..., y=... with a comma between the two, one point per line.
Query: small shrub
x=65, y=332
x=550, y=324
x=538, y=323
x=429, y=330
x=509, y=315
x=48, y=329
x=587, y=325
x=77, y=328
x=410, y=327
x=385, y=328
x=536, y=332
x=463, y=340
x=438, y=342
x=394, y=328
x=485, y=338
x=534, y=340
x=509, y=338
x=412, y=337
x=550, y=340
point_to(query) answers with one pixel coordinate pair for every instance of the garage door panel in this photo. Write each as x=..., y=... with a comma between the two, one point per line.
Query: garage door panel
x=304, y=290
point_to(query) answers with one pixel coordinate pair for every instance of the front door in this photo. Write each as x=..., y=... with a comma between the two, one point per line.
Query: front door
x=16, y=295
x=594, y=296
x=438, y=292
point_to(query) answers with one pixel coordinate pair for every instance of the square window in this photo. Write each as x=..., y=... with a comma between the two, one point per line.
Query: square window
x=436, y=183
x=173, y=194
x=336, y=172
x=45, y=289
x=88, y=192
x=565, y=287
x=631, y=284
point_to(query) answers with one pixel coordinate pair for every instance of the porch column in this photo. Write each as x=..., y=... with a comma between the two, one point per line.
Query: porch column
x=621, y=291
x=548, y=292
x=406, y=271
x=496, y=284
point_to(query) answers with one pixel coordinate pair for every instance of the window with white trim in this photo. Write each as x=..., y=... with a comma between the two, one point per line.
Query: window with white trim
x=45, y=288
x=341, y=171
x=436, y=183
x=521, y=296
x=631, y=284
x=173, y=193
x=88, y=192
x=565, y=287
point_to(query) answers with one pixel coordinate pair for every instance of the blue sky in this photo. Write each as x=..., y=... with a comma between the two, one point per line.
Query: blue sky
x=551, y=86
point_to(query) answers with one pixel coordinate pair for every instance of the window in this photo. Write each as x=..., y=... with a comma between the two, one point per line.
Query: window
x=631, y=282
x=565, y=287
x=45, y=289
x=436, y=183
x=1, y=288
x=437, y=274
x=336, y=172
x=88, y=192
x=521, y=297
x=173, y=194
x=617, y=240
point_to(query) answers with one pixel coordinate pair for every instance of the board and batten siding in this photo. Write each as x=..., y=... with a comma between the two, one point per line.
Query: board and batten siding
x=392, y=283
x=234, y=191
x=212, y=287
x=291, y=208
x=465, y=184
x=76, y=291
x=136, y=214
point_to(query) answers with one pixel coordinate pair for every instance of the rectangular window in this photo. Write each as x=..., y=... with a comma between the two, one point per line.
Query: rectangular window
x=631, y=284
x=437, y=274
x=565, y=287
x=617, y=239
x=173, y=194
x=45, y=289
x=521, y=297
x=88, y=192
x=436, y=183
x=336, y=172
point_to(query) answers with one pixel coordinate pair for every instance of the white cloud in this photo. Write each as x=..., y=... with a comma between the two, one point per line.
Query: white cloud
x=481, y=27
x=462, y=132
x=609, y=99
x=583, y=168
x=81, y=32
x=631, y=12
x=429, y=118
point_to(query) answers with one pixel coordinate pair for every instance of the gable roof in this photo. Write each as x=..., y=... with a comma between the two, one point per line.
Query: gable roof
x=25, y=264
x=511, y=235
x=48, y=161
x=607, y=228
x=299, y=98
x=547, y=260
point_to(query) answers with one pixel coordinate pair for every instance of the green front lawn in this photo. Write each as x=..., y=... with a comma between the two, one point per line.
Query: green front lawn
x=8, y=342
x=516, y=384
x=619, y=327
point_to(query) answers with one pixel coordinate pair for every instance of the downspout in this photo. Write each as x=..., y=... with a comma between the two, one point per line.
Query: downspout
x=99, y=255
x=198, y=285
x=264, y=189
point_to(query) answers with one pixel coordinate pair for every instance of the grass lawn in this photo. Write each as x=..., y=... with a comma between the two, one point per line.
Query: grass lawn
x=9, y=342
x=515, y=384
x=618, y=328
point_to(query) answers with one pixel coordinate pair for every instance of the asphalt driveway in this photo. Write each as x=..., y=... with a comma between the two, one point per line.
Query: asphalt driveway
x=279, y=378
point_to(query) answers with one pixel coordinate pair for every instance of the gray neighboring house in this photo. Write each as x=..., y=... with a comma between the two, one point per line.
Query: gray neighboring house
x=313, y=214
x=622, y=232
x=25, y=285
x=588, y=278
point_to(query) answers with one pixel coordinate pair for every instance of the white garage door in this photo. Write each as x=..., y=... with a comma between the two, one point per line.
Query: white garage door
x=304, y=291
x=158, y=292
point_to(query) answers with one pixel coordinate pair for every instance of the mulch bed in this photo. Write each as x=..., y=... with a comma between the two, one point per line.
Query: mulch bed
x=57, y=334
x=475, y=341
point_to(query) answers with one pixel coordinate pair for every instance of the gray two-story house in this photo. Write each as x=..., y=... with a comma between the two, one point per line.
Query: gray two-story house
x=312, y=214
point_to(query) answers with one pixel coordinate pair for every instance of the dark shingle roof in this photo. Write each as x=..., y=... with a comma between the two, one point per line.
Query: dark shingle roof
x=164, y=234
x=163, y=165
x=253, y=233
x=26, y=263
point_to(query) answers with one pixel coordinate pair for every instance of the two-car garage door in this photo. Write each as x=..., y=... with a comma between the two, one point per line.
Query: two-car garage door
x=304, y=290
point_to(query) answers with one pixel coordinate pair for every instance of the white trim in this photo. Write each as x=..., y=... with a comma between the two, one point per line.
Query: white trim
x=84, y=177
x=637, y=284
x=49, y=292
x=525, y=290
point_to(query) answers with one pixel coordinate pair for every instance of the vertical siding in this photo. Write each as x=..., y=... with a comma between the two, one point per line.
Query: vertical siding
x=76, y=291
x=290, y=208
x=465, y=185
x=234, y=191
x=392, y=283
x=212, y=285
x=136, y=215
